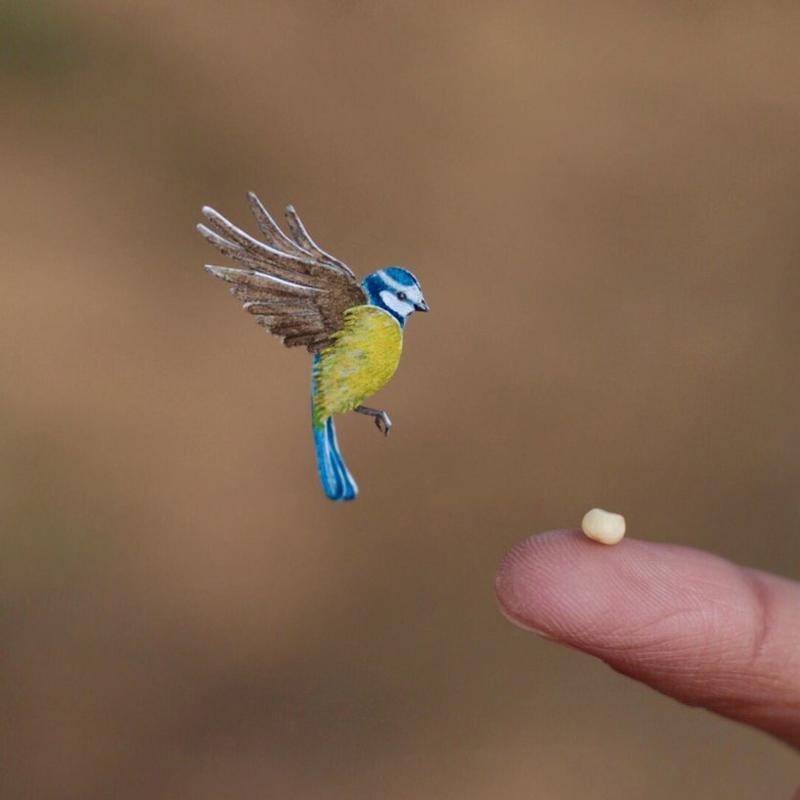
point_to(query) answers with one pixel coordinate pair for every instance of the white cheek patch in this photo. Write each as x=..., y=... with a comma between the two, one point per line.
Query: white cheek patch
x=400, y=307
x=414, y=294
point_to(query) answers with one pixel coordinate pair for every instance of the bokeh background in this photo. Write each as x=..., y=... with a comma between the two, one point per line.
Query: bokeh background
x=602, y=201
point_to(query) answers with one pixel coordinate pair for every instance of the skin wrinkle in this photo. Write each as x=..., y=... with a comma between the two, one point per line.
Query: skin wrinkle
x=762, y=615
x=663, y=646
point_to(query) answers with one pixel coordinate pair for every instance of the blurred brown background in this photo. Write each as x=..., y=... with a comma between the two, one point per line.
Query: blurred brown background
x=603, y=203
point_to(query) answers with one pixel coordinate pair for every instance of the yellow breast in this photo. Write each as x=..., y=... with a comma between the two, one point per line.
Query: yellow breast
x=361, y=360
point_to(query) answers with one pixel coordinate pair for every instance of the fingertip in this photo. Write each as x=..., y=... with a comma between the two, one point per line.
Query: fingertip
x=522, y=579
x=563, y=585
x=688, y=623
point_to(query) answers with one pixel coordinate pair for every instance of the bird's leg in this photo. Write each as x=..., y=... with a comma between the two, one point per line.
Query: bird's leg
x=382, y=421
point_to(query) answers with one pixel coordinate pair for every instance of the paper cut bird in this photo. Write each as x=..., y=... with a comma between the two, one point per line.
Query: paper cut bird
x=307, y=297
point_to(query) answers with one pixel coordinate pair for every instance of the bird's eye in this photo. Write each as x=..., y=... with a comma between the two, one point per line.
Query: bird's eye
x=401, y=296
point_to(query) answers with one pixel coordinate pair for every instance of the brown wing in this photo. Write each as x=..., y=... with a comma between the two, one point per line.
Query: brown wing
x=294, y=288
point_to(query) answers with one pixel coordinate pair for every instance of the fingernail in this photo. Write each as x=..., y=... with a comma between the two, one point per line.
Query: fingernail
x=524, y=625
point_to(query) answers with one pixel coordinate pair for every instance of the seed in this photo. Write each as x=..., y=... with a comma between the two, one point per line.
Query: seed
x=603, y=526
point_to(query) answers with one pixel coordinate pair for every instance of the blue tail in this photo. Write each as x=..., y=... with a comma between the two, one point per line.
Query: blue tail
x=336, y=479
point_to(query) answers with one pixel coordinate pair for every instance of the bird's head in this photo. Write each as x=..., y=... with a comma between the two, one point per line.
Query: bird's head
x=395, y=290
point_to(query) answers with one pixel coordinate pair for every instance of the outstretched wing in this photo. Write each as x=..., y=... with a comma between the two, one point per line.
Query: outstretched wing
x=291, y=285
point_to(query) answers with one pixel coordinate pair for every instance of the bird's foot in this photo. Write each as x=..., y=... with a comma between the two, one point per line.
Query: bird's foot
x=382, y=421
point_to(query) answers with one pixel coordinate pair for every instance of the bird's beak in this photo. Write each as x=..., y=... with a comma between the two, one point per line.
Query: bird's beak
x=421, y=306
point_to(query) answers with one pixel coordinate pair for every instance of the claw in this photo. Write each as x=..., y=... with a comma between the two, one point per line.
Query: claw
x=383, y=423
